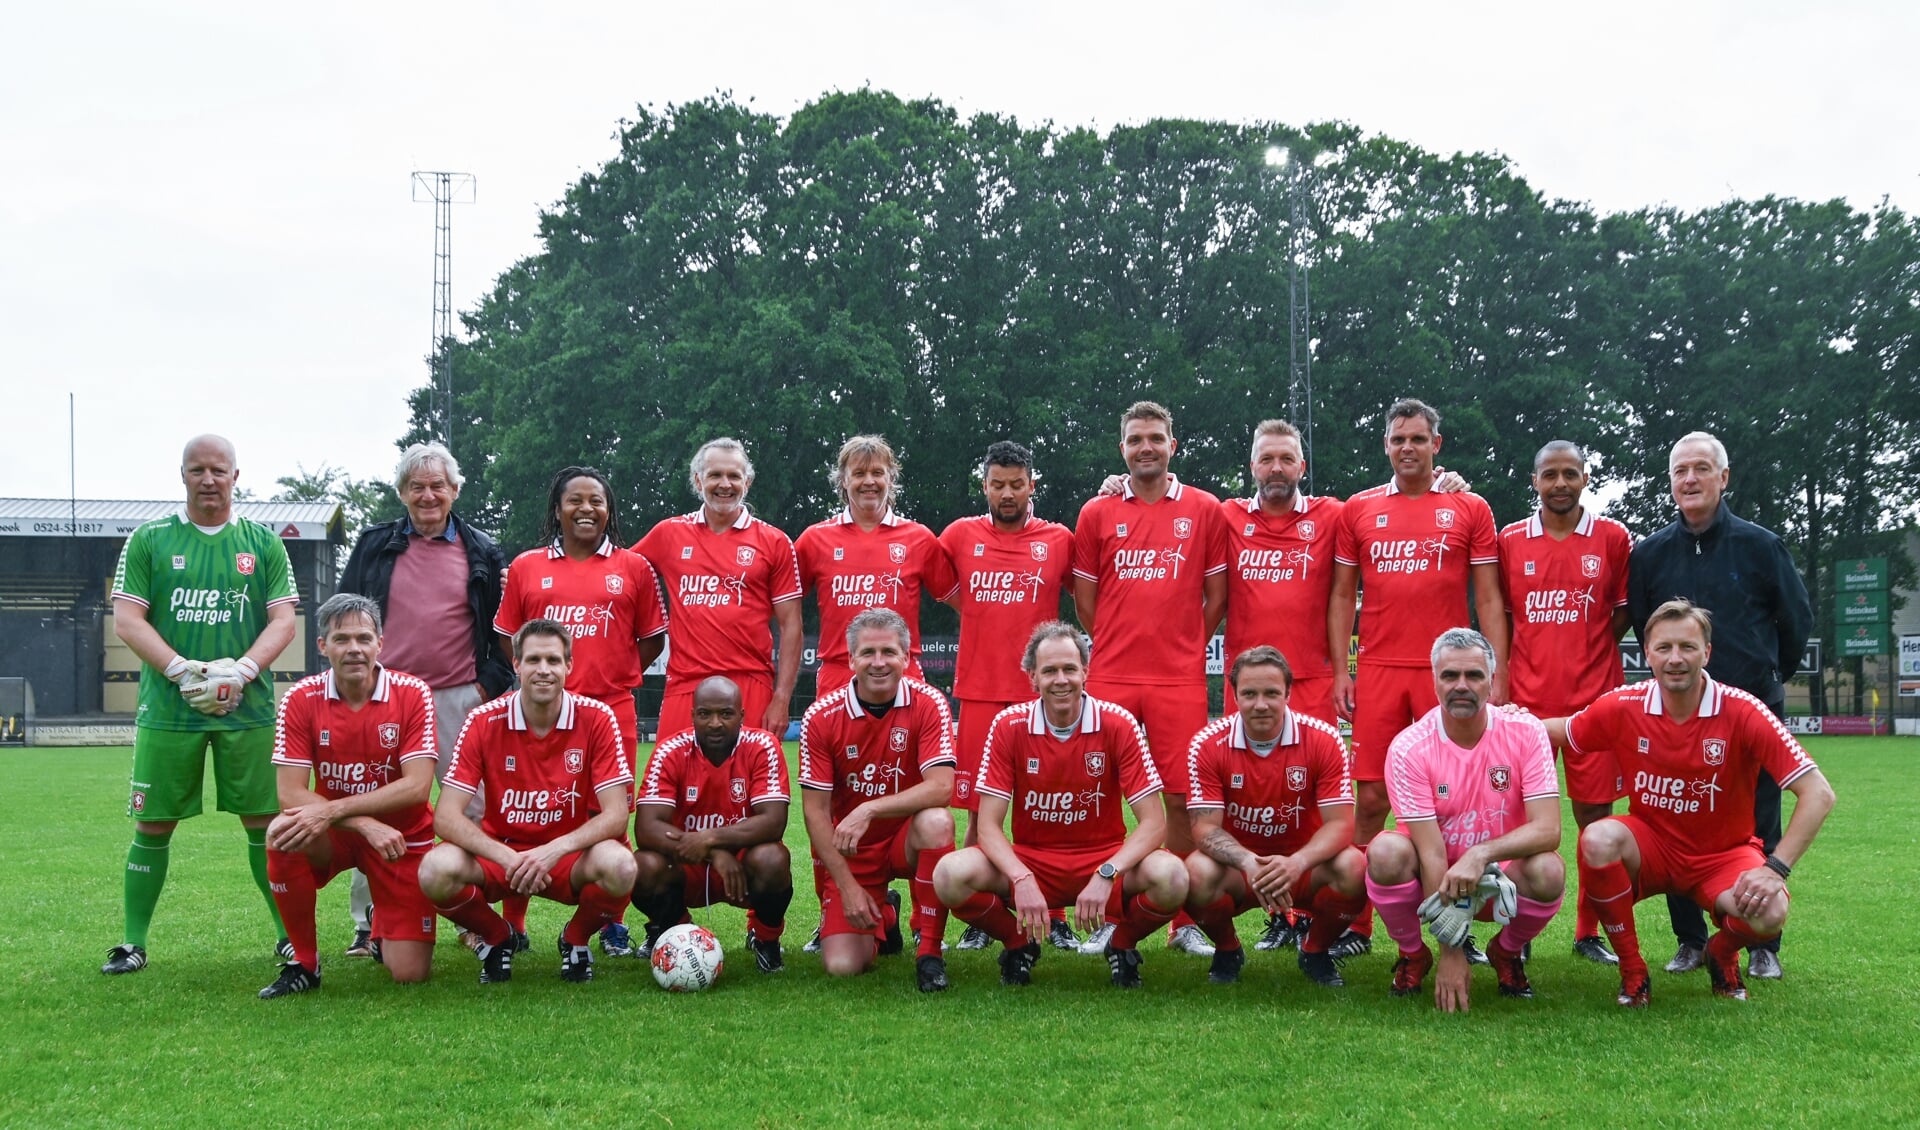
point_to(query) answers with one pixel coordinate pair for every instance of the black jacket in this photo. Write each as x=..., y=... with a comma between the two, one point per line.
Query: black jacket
x=1743, y=575
x=370, y=573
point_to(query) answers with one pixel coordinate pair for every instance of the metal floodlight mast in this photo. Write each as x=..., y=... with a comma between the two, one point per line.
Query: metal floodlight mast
x=445, y=190
x=1299, y=300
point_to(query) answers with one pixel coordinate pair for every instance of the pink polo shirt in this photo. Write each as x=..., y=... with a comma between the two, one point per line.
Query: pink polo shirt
x=429, y=628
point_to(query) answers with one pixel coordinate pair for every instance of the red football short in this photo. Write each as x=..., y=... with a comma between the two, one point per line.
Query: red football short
x=400, y=912
x=1171, y=716
x=1062, y=875
x=704, y=888
x=1311, y=697
x=1386, y=701
x=1665, y=869
x=676, y=704
x=873, y=868
x=976, y=718
x=494, y=887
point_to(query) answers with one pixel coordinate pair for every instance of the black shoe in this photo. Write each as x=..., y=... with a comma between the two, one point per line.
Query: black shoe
x=1321, y=969
x=973, y=938
x=521, y=943
x=283, y=949
x=649, y=934
x=1301, y=924
x=1475, y=955
x=1225, y=967
x=294, y=978
x=1594, y=949
x=1511, y=973
x=1278, y=934
x=767, y=955
x=813, y=943
x=1687, y=958
x=576, y=962
x=930, y=973
x=373, y=951
x=1635, y=994
x=362, y=945
x=1349, y=946
x=1123, y=966
x=125, y=959
x=893, y=943
x=1061, y=936
x=1016, y=965
x=496, y=965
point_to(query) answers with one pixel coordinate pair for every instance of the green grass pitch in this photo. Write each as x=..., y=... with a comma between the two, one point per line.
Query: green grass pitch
x=186, y=1043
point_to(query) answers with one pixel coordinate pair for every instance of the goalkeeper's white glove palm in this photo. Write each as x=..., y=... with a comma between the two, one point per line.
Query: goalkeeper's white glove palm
x=1450, y=923
x=1496, y=887
x=218, y=689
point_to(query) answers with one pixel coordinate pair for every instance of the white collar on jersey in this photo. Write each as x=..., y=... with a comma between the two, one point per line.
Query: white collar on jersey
x=1252, y=505
x=1089, y=716
x=844, y=517
x=1584, y=528
x=1711, y=700
x=901, y=697
x=1237, y=733
x=517, y=718
x=379, y=685
x=742, y=522
x=1174, y=489
x=557, y=550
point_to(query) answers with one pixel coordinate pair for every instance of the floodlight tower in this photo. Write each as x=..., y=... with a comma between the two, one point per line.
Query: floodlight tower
x=1295, y=174
x=445, y=190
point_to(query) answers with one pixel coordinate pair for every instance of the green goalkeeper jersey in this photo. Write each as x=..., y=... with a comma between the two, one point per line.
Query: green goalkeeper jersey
x=207, y=595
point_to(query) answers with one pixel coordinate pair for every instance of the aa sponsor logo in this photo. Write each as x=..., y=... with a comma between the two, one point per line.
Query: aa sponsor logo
x=693, y=793
x=1237, y=781
x=511, y=766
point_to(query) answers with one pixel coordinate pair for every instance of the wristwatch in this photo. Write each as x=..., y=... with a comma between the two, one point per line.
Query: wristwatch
x=1107, y=872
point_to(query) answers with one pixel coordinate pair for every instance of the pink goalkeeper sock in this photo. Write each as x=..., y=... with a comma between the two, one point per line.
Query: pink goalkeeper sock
x=1399, y=908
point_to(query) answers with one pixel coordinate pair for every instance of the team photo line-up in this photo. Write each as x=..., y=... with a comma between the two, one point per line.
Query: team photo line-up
x=514, y=688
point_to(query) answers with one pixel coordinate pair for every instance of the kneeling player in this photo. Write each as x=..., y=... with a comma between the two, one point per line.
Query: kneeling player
x=876, y=764
x=711, y=809
x=553, y=771
x=354, y=754
x=1062, y=764
x=1689, y=752
x=1272, y=820
x=1477, y=809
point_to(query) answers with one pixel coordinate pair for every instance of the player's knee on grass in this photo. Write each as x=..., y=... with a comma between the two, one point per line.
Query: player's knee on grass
x=1541, y=877
x=957, y=877
x=1391, y=860
x=769, y=867
x=410, y=963
x=1162, y=877
x=444, y=870
x=931, y=828
x=609, y=864
x=1369, y=810
x=848, y=955
x=1346, y=873
x=1205, y=877
x=1603, y=842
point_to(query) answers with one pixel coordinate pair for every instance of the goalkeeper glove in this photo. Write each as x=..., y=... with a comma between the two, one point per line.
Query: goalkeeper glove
x=1450, y=923
x=1494, y=885
x=222, y=686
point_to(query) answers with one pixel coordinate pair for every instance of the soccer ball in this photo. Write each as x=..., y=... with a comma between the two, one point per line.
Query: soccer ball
x=687, y=959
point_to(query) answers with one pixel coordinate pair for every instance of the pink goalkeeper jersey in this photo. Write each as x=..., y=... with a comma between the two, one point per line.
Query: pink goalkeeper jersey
x=1476, y=794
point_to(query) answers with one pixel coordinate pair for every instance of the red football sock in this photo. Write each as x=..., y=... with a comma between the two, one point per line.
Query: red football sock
x=1216, y=922
x=1057, y=914
x=467, y=910
x=290, y=878
x=1610, y=891
x=1736, y=928
x=1138, y=918
x=1333, y=913
x=1586, y=924
x=985, y=910
x=513, y=908
x=929, y=913
x=597, y=908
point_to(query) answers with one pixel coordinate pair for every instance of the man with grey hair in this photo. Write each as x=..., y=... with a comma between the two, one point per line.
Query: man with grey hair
x=1476, y=808
x=1744, y=577
x=437, y=581
x=730, y=578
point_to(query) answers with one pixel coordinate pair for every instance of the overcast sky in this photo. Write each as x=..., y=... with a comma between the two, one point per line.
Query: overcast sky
x=206, y=225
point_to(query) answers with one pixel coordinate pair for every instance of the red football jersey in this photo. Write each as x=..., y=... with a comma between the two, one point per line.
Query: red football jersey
x=1691, y=781
x=707, y=796
x=351, y=752
x=1561, y=595
x=1151, y=563
x=721, y=589
x=538, y=788
x=1071, y=794
x=1280, y=580
x=609, y=603
x=850, y=570
x=1009, y=584
x=1270, y=802
x=857, y=757
x=1413, y=554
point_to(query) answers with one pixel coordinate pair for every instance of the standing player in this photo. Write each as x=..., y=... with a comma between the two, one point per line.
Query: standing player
x=728, y=577
x=1012, y=571
x=1273, y=816
x=552, y=769
x=1417, y=553
x=610, y=601
x=1062, y=764
x=708, y=821
x=1563, y=573
x=867, y=556
x=876, y=764
x=355, y=755
x=1476, y=807
x=1150, y=584
x=206, y=601
x=1689, y=751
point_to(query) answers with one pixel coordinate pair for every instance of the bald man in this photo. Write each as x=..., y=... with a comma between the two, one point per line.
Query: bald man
x=206, y=601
